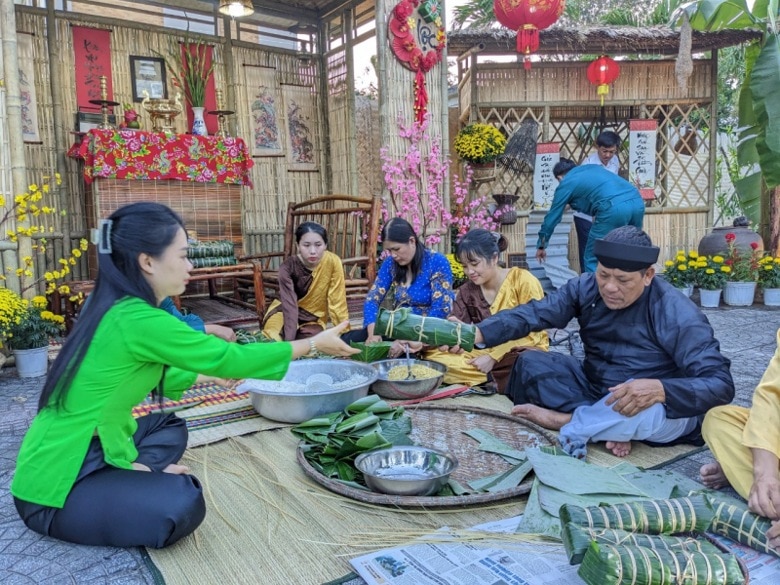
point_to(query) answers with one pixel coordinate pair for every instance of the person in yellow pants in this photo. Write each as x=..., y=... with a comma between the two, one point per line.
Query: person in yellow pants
x=746, y=446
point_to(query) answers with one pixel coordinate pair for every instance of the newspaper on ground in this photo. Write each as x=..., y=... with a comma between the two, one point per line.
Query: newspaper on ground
x=456, y=560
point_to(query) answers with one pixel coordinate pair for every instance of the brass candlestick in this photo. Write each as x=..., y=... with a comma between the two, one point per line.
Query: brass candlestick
x=104, y=104
x=221, y=112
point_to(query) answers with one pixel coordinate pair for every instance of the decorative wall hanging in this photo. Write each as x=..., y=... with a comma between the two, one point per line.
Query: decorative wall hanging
x=92, y=55
x=528, y=17
x=417, y=39
x=602, y=73
x=147, y=74
x=301, y=118
x=27, y=88
x=547, y=156
x=262, y=96
x=641, y=155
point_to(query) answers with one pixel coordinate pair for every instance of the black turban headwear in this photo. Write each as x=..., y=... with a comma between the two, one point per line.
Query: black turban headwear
x=625, y=256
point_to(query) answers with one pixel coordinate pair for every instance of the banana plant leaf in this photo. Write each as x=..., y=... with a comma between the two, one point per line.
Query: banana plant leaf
x=491, y=444
x=403, y=324
x=535, y=520
x=502, y=481
x=371, y=352
x=605, y=564
x=557, y=471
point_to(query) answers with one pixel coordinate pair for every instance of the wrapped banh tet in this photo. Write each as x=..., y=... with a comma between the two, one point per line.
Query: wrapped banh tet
x=577, y=539
x=689, y=514
x=735, y=521
x=605, y=564
x=405, y=325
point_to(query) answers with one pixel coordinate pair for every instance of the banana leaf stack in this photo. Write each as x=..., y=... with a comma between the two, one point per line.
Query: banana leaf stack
x=669, y=516
x=606, y=564
x=371, y=352
x=577, y=540
x=733, y=520
x=403, y=324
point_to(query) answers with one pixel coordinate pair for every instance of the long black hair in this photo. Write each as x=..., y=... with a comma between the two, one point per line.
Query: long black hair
x=311, y=227
x=138, y=228
x=480, y=244
x=401, y=231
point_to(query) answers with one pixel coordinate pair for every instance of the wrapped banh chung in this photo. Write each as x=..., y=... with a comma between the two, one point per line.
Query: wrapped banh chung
x=405, y=325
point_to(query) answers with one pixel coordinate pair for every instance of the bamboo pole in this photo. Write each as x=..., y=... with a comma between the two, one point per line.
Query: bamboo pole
x=354, y=188
x=387, y=127
x=324, y=104
x=13, y=106
x=445, y=131
x=58, y=114
x=713, y=162
x=229, y=75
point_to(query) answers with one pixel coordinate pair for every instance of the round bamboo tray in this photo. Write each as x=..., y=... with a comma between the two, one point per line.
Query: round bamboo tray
x=441, y=427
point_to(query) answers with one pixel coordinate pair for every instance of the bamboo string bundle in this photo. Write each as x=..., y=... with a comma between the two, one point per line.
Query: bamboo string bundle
x=605, y=564
x=735, y=521
x=689, y=514
x=577, y=539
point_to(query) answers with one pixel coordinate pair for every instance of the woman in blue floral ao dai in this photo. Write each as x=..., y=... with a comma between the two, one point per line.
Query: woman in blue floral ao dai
x=416, y=277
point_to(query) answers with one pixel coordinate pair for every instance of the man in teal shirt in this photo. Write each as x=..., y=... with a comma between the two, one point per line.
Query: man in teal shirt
x=611, y=200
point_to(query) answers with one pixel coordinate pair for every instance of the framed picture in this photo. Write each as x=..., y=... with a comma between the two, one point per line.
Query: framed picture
x=86, y=121
x=147, y=74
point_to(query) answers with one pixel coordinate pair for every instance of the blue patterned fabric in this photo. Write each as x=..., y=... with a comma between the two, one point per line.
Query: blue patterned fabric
x=430, y=293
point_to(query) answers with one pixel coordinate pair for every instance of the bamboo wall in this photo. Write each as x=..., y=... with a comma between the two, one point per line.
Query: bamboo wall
x=275, y=181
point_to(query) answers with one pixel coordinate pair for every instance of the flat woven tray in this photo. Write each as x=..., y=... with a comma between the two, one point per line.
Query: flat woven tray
x=441, y=427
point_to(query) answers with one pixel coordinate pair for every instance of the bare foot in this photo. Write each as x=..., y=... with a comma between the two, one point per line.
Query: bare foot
x=549, y=419
x=619, y=448
x=712, y=476
x=177, y=469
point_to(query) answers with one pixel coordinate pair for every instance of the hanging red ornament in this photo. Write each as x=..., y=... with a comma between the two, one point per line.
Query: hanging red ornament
x=417, y=39
x=602, y=73
x=528, y=17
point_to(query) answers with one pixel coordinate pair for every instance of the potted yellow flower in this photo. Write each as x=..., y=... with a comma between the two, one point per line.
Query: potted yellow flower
x=769, y=280
x=27, y=328
x=680, y=272
x=480, y=145
x=711, y=275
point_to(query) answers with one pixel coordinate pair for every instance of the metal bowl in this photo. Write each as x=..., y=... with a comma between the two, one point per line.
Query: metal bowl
x=310, y=388
x=405, y=389
x=406, y=471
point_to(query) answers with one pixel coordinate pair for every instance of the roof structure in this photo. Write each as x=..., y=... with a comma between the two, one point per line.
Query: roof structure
x=656, y=40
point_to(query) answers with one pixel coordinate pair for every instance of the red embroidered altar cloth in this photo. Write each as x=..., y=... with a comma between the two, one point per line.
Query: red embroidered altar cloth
x=135, y=154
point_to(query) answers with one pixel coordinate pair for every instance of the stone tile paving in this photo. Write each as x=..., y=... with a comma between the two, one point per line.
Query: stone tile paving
x=747, y=337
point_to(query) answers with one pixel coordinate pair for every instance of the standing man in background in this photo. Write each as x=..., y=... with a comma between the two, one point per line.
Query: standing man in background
x=607, y=144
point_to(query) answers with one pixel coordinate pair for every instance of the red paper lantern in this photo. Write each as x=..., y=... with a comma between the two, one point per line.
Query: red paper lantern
x=602, y=72
x=528, y=17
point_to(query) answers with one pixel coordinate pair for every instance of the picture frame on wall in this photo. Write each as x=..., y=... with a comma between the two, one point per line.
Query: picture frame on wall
x=86, y=121
x=148, y=74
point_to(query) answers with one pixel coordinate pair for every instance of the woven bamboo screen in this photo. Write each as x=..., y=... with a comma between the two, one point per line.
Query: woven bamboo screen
x=339, y=114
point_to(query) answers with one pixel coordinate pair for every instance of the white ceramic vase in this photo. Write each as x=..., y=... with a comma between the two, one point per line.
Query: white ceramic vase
x=739, y=294
x=198, y=123
x=709, y=298
x=31, y=363
x=772, y=297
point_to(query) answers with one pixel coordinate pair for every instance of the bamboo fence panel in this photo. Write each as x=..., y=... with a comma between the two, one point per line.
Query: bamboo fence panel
x=370, y=180
x=561, y=83
x=339, y=112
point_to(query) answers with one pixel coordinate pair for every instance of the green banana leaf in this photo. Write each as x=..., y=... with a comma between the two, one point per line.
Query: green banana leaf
x=372, y=352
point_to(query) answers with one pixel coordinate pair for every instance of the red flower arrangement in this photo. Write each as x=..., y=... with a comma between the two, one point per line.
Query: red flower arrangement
x=742, y=267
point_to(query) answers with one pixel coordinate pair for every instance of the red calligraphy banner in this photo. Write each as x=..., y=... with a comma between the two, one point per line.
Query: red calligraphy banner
x=92, y=50
x=212, y=124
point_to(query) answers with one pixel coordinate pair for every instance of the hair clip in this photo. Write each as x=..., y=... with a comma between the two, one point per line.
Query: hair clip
x=104, y=236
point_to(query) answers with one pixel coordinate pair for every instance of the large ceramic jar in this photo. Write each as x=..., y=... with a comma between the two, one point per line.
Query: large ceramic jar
x=715, y=242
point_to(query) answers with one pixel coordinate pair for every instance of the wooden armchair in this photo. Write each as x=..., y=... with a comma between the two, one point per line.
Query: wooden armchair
x=352, y=224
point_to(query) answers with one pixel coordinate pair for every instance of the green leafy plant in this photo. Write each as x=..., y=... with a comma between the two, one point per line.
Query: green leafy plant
x=681, y=271
x=769, y=272
x=710, y=273
x=479, y=143
x=28, y=324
